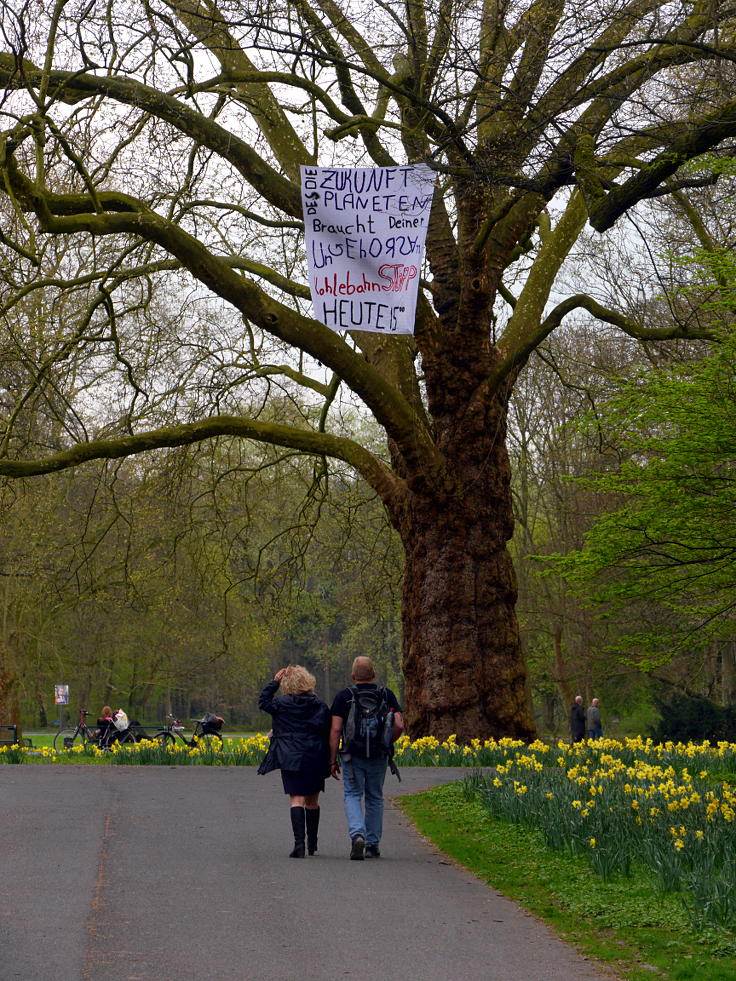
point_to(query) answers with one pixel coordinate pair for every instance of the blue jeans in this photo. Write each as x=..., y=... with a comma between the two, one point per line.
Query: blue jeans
x=367, y=781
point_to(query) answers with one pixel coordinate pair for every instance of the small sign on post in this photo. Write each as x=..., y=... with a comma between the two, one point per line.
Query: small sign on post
x=61, y=694
x=61, y=698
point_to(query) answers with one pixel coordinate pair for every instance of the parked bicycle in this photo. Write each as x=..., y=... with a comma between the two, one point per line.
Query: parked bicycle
x=206, y=732
x=83, y=734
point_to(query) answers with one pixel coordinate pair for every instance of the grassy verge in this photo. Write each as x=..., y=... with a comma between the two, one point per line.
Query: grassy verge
x=623, y=923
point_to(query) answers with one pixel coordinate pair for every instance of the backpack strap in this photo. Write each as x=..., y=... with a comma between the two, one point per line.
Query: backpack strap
x=347, y=735
x=348, y=724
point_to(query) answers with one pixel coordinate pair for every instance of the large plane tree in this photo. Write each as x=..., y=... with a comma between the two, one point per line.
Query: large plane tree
x=153, y=283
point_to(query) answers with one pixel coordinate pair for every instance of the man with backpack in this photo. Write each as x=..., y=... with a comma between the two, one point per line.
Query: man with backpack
x=366, y=721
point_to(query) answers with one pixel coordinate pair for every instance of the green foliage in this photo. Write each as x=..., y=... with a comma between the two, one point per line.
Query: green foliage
x=666, y=548
x=177, y=588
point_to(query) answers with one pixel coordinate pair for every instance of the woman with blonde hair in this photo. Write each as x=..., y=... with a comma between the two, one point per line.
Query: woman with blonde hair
x=299, y=748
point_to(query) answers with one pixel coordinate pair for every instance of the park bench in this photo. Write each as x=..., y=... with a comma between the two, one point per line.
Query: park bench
x=8, y=735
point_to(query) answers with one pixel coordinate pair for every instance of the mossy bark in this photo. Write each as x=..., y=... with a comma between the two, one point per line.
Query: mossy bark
x=462, y=657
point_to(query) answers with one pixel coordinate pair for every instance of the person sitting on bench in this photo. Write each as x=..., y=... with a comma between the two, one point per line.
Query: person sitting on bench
x=104, y=726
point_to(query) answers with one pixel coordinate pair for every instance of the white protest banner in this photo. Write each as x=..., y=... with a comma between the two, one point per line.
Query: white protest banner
x=364, y=230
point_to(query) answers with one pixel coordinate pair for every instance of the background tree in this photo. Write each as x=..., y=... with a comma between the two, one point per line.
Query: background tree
x=179, y=587
x=566, y=645
x=666, y=550
x=109, y=592
x=671, y=260
x=666, y=427
x=158, y=144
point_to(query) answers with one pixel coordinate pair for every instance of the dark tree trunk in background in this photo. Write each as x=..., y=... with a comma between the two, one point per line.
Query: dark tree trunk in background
x=560, y=670
x=326, y=686
x=728, y=673
x=9, y=689
x=43, y=719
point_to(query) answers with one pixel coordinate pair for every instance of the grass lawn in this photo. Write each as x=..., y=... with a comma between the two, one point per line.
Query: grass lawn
x=624, y=923
x=42, y=739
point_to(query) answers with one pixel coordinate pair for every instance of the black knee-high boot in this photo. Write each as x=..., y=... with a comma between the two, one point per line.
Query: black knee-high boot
x=298, y=823
x=312, y=826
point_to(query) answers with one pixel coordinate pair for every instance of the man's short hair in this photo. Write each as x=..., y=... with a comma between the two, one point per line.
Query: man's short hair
x=363, y=669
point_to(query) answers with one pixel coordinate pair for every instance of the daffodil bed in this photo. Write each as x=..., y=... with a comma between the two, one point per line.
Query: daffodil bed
x=629, y=805
x=250, y=750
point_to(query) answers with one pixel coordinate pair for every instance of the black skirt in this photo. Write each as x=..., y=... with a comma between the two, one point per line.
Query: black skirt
x=300, y=784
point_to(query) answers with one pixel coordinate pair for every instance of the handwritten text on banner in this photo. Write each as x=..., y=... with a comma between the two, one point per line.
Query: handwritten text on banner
x=364, y=231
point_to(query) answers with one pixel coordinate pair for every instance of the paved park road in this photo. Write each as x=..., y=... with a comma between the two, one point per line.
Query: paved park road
x=182, y=874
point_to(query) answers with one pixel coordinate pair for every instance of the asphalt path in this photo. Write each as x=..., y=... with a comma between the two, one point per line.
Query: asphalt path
x=181, y=874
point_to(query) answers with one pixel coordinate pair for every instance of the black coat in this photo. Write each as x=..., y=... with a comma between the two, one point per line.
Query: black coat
x=301, y=732
x=577, y=721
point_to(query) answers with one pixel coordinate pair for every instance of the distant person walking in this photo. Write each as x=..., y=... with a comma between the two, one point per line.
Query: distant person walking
x=595, y=730
x=577, y=720
x=299, y=748
x=366, y=718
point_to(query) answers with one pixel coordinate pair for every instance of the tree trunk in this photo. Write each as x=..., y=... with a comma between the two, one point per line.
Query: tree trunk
x=9, y=694
x=85, y=695
x=558, y=668
x=462, y=659
x=326, y=695
x=43, y=719
x=728, y=672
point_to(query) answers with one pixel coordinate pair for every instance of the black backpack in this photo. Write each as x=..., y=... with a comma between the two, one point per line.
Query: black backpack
x=367, y=731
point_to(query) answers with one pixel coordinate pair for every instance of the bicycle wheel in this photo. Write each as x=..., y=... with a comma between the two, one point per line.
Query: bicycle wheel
x=127, y=738
x=74, y=736
x=210, y=740
x=163, y=738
